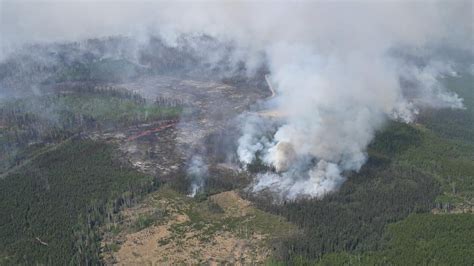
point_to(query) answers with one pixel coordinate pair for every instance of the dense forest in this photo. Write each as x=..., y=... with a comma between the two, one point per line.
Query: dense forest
x=57, y=185
x=52, y=205
x=410, y=204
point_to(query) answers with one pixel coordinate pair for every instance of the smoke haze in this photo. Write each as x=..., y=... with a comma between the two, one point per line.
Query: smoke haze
x=334, y=66
x=197, y=172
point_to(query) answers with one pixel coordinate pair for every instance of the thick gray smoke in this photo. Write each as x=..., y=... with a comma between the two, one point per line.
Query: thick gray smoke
x=336, y=78
x=333, y=67
x=331, y=110
x=336, y=82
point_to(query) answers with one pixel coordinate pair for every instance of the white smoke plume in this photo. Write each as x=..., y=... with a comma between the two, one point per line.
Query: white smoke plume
x=332, y=108
x=336, y=81
x=197, y=172
x=332, y=65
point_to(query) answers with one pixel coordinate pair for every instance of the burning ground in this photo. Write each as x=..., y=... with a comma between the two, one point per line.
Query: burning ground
x=168, y=227
x=123, y=146
x=165, y=147
x=155, y=134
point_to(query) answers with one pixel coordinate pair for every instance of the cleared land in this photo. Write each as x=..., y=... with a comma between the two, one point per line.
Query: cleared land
x=221, y=229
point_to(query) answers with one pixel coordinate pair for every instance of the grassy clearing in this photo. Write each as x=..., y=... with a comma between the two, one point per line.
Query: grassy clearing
x=198, y=225
x=240, y=218
x=28, y=124
x=63, y=108
x=100, y=70
x=108, y=109
x=203, y=215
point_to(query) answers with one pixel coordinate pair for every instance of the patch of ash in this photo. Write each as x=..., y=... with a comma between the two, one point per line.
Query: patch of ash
x=164, y=148
x=154, y=153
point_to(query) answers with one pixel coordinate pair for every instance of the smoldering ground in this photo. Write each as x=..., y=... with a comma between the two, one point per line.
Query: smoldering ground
x=336, y=77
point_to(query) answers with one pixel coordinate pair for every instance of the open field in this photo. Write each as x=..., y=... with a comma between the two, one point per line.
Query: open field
x=168, y=227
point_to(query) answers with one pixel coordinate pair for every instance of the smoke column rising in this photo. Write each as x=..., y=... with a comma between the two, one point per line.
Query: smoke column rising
x=336, y=81
x=332, y=65
x=336, y=78
x=197, y=172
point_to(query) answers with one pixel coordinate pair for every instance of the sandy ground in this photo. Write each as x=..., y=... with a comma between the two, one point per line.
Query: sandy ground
x=177, y=239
